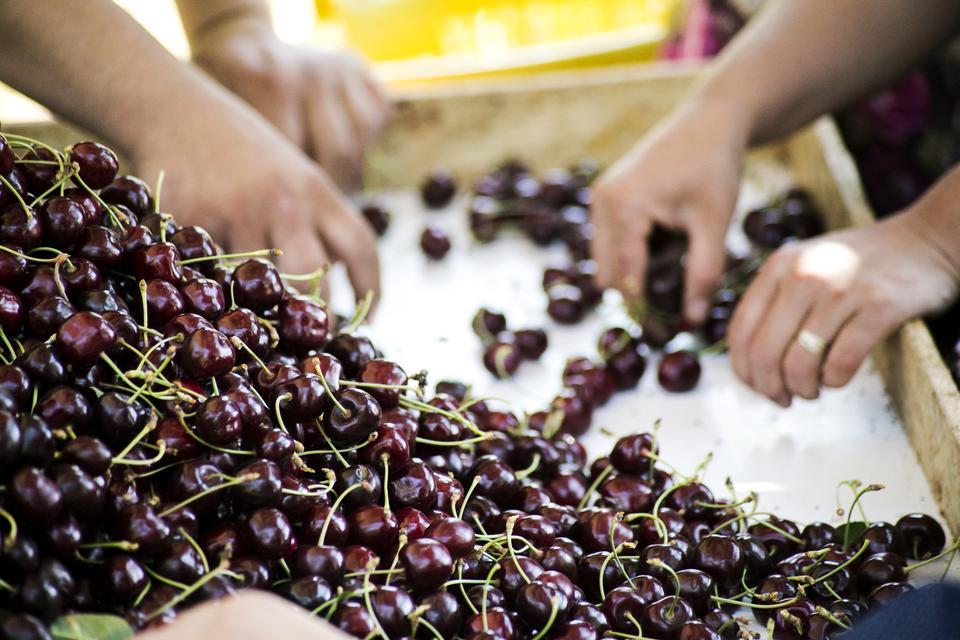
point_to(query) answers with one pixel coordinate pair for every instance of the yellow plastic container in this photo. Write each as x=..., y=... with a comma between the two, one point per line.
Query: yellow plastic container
x=422, y=40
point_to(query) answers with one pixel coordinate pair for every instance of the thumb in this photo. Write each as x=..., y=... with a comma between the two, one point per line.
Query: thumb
x=704, y=266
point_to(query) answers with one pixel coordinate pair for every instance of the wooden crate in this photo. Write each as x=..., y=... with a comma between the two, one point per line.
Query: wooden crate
x=556, y=119
x=560, y=118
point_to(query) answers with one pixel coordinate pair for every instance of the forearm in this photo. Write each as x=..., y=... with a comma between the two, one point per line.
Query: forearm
x=937, y=219
x=199, y=17
x=113, y=79
x=797, y=60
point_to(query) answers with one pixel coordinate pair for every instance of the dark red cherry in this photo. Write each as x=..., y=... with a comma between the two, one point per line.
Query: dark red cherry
x=624, y=605
x=84, y=337
x=443, y=612
x=35, y=494
x=304, y=324
x=488, y=324
x=62, y=220
x=627, y=493
x=374, y=527
x=257, y=285
x=354, y=619
x=11, y=311
x=428, y=563
x=721, y=557
x=13, y=267
x=383, y=372
x=352, y=351
x=413, y=485
x=140, y=524
x=502, y=359
x=308, y=591
x=193, y=242
x=565, y=303
x=438, y=189
x=455, y=534
x=18, y=228
x=922, y=535
x=159, y=261
x=7, y=157
x=207, y=353
x=435, y=242
x=881, y=537
x=358, y=418
x=244, y=325
x=679, y=371
x=97, y=165
x=203, y=297
x=163, y=302
x=270, y=534
x=376, y=216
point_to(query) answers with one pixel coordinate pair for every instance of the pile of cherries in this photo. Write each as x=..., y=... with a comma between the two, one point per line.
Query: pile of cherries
x=177, y=423
x=556, y=208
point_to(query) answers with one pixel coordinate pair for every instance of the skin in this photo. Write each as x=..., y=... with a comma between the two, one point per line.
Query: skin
x=226, y=166
x=249, y=615
x=851, y=288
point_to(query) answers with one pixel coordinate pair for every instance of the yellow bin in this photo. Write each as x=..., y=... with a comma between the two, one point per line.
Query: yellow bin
x=428, y=40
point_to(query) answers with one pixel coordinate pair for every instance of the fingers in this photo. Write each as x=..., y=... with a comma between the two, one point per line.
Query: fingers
x=367, y=111
x=750, y=312
x=350, y=239
x=704, y=266
x=332, y=139
x=852, y=346
x=619, y=244
x=801, y=369
x=303, y=251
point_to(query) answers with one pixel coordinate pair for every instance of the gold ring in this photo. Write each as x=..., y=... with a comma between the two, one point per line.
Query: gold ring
x=811, y=342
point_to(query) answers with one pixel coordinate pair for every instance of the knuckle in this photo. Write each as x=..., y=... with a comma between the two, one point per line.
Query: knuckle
x=841, y=366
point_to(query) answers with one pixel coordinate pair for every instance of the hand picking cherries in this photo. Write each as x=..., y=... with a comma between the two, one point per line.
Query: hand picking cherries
x=177, y=424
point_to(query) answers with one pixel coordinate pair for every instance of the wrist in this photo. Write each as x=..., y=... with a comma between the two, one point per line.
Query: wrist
x=937, y=225
x=724, y=112
x=245, y=19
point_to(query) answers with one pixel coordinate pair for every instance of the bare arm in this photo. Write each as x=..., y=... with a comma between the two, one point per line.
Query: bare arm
x=797, y=60
x=90, y=62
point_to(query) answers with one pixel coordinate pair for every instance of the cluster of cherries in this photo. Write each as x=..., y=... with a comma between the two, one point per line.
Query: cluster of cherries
x=504, y=350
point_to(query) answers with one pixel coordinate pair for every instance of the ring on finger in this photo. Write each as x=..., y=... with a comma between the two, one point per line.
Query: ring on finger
x=811, y=342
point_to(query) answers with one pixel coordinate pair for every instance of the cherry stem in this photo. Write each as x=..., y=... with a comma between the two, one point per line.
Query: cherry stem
x=553, y=423
x=951, y=549
x=161, y=451
x=11, y=537
x=856, y=499
x=360, y=314
x=832, y=618
x=463, y=589
x=366, y=599
x=554, y=606
x=432, y=629
x=533, y=466
x=336, y=451
x=240, y=344
x=190, y=432
x=513, y=554
x=64, y=176
x=30, y=258
x=159, y=189
x=408, y=403
x=196, y=547
x=186, y=593
x=276, y=409
x=167, y=581
x=336, y=504
x=453, y=443
x=316, y=274
x=330, y=394
x=26, y=208
x=314, y=452
x=401, y=543
x=123, y=545
x=118, y=221
x=468, y=495
x=147, y=428
x=261, y=253
x=483, y=602
x=385, y=461
x=585, y=500
x=231, y=482
x=660, y=564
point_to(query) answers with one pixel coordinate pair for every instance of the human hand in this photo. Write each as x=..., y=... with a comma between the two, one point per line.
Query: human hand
x=851, y=289
x=229, y=171
x=248, y=615
x=683, y=175
x=326, y=102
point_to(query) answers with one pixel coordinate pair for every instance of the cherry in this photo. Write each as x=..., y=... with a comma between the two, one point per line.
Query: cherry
x=668, y=554
x=181, y=562
x=413, y=485
x=631, y=601
x=881, y=537
x=207, y=353
x=39, y=176
x=435, y=242
x=577, y=414
x=496, y=480
x=497, y=624
x=64, y=407
x=502, y=359
x=11, y=311
x=84, y=336
x=35, y=494
x=922, y=535
x=129, y=191
x=679, y=371
x=125, y=578
x=352, y=351
x=97, y=165
x=244, y=325
x=163, y=302
x=376, y=216
x=356, y=420
x=374, y=527
x=308, y=591
x=383, y=372
x=535, y=603
x=565, y=303
x=392, y=607
x=878, y=569
x=511, y=578
x=257, y=285
x=818, y=535
x=353, y=618
x=721, y=557
x=428, y=563
x=7, y=157
x=369, y=487
x=887, y=593
x=193, y=243
x=455, y=534
x=133, y=238
x=159, y=261
x=304, y=324
x=627, y=493
x=488, y=324
x=313, y=522
x=13, y=267
x=17, y=228
x=23, y=626
x=140, y=524
x=696, y=630
x=766, y=227
x=270, y=534
x=63, y=220
x=301, y=398
x=443, y=613
x=665, y=617
x=438, y=189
